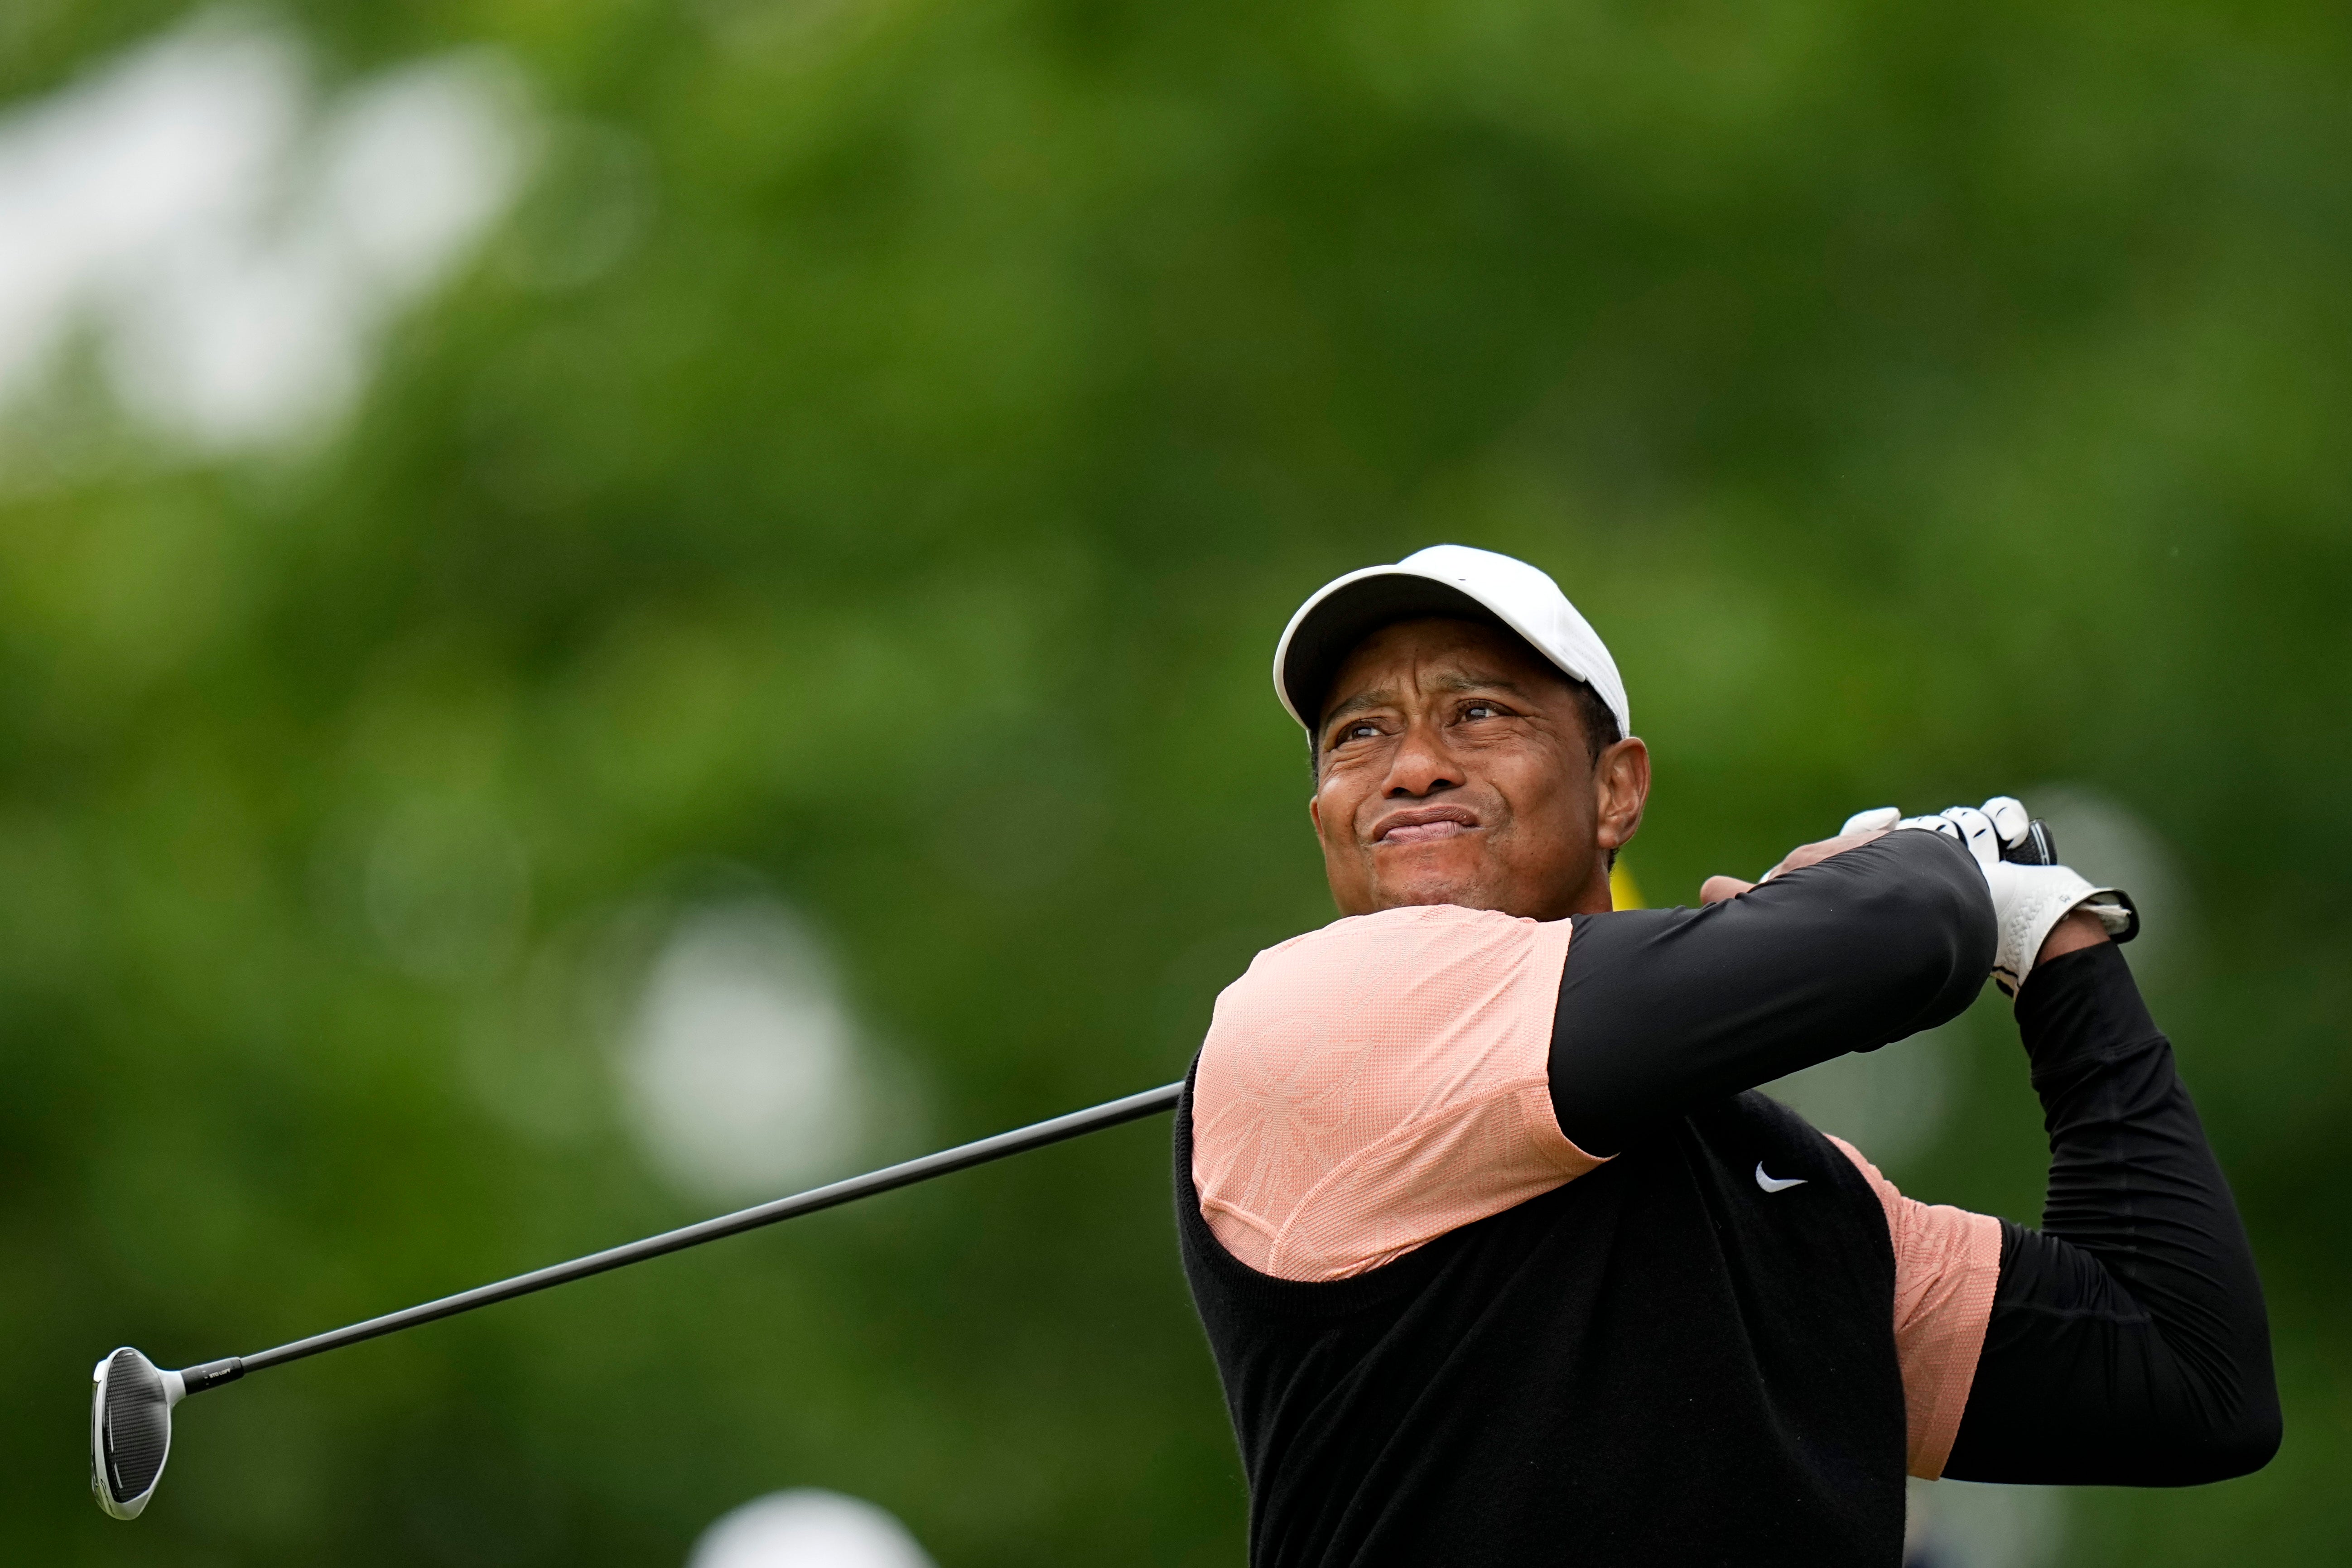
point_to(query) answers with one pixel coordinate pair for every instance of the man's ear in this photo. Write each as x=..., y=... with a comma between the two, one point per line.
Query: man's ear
x=1621, y=788
x=1315, y=811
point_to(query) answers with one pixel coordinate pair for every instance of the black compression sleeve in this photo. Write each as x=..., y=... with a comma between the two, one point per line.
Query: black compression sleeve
x=2128, y=1345
x=1661, y=1007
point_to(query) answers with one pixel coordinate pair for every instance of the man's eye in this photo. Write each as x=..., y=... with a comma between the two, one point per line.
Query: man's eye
x=1482, y=710
x=1364, y=731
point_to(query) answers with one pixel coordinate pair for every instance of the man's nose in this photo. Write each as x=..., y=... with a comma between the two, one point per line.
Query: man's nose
x=1423, y=764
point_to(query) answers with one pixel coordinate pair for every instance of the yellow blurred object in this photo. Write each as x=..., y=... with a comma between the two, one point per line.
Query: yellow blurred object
x=1622, y=893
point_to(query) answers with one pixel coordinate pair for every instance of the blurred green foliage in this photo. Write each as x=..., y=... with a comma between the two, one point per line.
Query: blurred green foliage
x=1924, y=400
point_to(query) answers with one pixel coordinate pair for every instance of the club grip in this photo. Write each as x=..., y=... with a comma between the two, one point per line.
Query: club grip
x=2037, y=848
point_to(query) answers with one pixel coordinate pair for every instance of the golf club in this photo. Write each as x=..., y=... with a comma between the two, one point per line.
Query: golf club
x=130, y=1403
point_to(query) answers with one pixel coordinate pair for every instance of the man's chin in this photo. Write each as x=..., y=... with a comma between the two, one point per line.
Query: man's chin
x=1437, y=885
x=1469, y=871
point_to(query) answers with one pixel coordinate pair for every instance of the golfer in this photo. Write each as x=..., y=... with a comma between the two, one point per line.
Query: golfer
x=1502, y=1260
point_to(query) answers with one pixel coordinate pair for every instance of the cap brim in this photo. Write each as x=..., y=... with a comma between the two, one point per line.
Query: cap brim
x=1351, y=610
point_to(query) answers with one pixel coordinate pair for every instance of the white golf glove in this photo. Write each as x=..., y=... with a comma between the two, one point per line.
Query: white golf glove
x=2028, y=900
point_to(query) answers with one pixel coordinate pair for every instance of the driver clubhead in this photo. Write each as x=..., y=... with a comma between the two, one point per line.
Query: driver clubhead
x=130, y=1404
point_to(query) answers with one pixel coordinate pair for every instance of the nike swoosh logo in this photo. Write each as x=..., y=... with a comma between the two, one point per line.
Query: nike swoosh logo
x=1776, y=1184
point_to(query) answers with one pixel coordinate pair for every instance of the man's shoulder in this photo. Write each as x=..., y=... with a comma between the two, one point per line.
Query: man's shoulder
x=1404, y=926
x=1421, y=970
x=1377, y=1082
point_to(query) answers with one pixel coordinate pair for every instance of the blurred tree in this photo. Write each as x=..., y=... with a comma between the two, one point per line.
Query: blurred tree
x=865, y=476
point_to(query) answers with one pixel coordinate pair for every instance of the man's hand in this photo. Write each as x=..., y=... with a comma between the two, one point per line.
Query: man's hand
x=2042, y=911
x=2030, y=903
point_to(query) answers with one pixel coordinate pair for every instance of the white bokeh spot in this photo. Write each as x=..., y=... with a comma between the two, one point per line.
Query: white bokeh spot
x=2113, y=845
x=743, y=1062
x=231, y=244
x=806, y=1528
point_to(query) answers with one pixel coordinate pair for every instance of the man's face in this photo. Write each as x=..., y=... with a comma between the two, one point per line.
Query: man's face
x=1452, y=769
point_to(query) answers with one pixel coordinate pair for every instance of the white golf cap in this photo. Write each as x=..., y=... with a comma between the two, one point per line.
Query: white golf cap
x=1445, y=579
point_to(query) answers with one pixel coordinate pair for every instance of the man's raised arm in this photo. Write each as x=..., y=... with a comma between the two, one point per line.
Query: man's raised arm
x=2128, y=1343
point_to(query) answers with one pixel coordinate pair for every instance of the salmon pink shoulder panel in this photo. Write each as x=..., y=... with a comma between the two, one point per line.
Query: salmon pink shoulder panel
x=1366, y=1088
x=1946, y=1265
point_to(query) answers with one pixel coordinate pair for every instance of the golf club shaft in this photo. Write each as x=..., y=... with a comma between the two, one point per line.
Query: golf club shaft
x=1135, y=1107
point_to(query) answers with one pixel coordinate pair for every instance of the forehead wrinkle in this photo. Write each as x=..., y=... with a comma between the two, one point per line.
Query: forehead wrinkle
x=1473, y=683
x=1357, y=704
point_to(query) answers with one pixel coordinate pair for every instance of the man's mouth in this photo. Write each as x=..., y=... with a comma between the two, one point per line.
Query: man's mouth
x=1426, y=825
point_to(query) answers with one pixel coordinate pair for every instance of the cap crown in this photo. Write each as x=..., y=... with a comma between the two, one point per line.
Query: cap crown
x=1522, y=597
